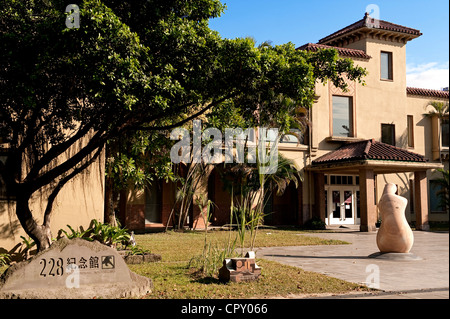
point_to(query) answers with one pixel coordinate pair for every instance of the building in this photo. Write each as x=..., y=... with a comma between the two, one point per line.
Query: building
x=79, y=202
x=358, y=141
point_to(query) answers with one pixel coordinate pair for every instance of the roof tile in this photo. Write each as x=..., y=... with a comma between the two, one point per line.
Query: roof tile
x=427, y=92
x=369, y=150
x=368, y=22
x=352, y=53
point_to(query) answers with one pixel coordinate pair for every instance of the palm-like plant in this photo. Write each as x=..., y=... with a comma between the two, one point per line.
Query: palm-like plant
x=444, y=188
x=440, y=109
x=252, y=190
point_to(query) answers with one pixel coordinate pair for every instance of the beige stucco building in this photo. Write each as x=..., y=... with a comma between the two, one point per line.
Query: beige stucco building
x=358, y=141
x=385, y=111
x=79, y=202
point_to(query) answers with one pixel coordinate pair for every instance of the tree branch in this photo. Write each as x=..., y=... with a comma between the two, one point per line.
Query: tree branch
x=63, y=181
x=94, y=143
x=57, y=150
x=180, y=123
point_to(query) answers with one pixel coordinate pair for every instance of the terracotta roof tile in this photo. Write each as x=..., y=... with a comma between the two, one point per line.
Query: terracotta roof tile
x=368, y=22
x=427, y=92
x=369, y=150
x=352, y=53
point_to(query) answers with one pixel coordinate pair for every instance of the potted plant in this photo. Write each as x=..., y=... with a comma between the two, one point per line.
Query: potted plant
x=378, y=223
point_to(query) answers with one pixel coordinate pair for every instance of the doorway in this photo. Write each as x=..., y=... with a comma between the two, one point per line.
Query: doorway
x=153, y=199
x=342, y=200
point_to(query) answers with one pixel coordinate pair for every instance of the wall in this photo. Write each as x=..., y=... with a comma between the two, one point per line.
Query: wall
x=79, y=201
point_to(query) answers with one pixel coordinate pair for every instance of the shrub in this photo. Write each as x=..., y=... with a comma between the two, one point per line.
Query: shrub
x=315, y=223
x=4, y=259
x=104, y=233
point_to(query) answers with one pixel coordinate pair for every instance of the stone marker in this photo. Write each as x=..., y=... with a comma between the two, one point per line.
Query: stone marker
x=394, y=235
x=73, y=269
x=240, y=269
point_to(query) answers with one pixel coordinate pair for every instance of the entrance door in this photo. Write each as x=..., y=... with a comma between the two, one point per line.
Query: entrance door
x=153, y=204
x=341, y=206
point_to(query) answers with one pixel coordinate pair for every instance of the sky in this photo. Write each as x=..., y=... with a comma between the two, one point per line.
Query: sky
x=301, y=22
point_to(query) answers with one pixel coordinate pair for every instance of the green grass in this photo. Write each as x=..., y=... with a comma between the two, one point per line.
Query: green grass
x=182, y=246
x=172, y=278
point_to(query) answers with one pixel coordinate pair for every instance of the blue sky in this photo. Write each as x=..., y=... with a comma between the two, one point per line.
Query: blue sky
x=301, y=21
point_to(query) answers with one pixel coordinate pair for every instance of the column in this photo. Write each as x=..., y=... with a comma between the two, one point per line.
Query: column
x=421, y=200
x=367, y=200
x=319, y=195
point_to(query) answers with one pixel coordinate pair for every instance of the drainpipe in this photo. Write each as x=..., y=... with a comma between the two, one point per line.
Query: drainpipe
x=310, y=160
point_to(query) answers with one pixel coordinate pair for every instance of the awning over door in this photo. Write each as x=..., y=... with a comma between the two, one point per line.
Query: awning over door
x=368, y=158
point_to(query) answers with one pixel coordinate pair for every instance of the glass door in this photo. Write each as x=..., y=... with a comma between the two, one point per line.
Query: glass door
x=341, y=205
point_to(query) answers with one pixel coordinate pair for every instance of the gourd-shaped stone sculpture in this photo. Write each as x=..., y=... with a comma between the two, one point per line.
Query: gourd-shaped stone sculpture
x=394, y=235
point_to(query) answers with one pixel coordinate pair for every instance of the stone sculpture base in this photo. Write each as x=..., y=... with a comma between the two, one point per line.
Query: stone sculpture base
x=73, y=269
x=240, y=269
x=395, y=256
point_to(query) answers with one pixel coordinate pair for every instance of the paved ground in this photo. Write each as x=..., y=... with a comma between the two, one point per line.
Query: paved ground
x=426, y=278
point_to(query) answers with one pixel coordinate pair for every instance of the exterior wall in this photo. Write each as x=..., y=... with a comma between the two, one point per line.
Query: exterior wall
x=136, y=202
x=79, y=201
x=135, y=217
x=300, y=155
x=377, y=102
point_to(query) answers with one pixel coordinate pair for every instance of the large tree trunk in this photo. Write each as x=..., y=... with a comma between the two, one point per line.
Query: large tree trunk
x=110, y=198
x=123, y=201
x=41, y=234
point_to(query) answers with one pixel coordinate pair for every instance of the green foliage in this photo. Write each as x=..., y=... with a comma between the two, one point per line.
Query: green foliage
x=81, y=233
x=212, y=257
x=444, y=191
x=104, y=233
x=315, y=223
x=137, y=250
x=138, y=159
x=25, y=249
x=5, y=259
x=439, y=108
x=28, y=242
x=131, y=66
x=107, y=234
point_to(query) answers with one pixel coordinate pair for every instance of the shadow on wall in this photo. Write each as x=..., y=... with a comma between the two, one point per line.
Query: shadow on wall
x=10, y=228
x=9, y=225
x=402, y=181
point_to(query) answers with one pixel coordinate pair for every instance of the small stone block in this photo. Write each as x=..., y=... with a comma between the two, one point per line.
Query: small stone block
x=239, y=269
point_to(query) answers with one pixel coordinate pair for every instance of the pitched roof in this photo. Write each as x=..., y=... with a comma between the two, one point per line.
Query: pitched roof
x=427, y=92
x=370, y=23
x=352, y=53
x=369, y=150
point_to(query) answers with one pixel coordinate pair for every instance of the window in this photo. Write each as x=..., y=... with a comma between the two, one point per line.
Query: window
x=341, y=180
x=294, y=136
x=444, y=133
x=342, y=116
x=437, y=205
x=386, y=65
x=388, y=134
x=410, y=129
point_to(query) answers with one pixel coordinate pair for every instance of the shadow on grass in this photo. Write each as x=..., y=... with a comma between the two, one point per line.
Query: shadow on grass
x=198, y=277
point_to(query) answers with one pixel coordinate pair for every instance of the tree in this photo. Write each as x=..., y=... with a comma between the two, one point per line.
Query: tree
x=443, y=182
x=439, y=109
x=135, y=161
x=130, y=66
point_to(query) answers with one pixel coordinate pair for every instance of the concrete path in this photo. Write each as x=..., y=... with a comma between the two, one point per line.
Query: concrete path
x=427, y=278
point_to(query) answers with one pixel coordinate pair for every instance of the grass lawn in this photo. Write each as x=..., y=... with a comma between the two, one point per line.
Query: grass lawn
x=172, y=278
